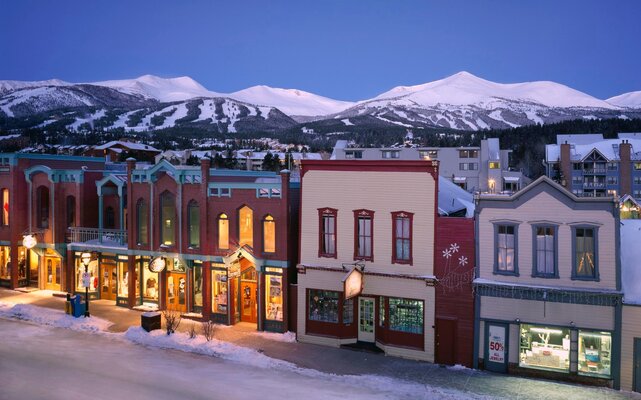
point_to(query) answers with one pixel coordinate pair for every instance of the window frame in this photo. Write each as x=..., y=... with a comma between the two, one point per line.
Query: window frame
x=496, y=270
x=555, y=245
x=41, y=221
x=242, y=242
x=595, y=236
x=140, y=240
x=193, y=206
x=6, y=213
x=164, y=196
x=266, y=220
x=337, y=299
x=330, y=212
x=358, y=214
x=222, y=217
x=70, y=211
x=410, y=217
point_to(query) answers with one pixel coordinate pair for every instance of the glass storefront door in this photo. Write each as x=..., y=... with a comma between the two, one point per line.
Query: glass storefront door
x=248, y=295
x=176, y=291
x=53, y=273
x=366, y=319
x=108, y=280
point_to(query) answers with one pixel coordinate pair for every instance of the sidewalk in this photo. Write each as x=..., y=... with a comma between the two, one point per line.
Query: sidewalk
x=348, y=362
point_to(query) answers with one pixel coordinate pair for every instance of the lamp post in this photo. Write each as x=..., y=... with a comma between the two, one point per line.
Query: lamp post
x=86, y=259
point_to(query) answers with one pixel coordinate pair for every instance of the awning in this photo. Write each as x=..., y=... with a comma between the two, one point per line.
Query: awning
x=511, y=178
x=460, y=179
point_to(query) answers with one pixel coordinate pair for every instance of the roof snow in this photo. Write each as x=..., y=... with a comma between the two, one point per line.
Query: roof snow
x=452, y=198
x=128, y=145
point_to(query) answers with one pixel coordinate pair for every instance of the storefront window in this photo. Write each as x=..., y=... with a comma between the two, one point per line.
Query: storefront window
x=323, y=305
x=123, y=279
x=92, y=269
x=274, y=297
x=381, y=311
x=197, y=286
x=595, y=353
x=348, y=311
x=5, y=262
x=406, y=315
x=219, y=292
x=22, y=263
x=543, y=347
x=150, y=282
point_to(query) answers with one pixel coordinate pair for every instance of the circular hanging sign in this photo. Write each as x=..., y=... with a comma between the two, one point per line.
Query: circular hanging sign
x=29, y=241
x=157, y=264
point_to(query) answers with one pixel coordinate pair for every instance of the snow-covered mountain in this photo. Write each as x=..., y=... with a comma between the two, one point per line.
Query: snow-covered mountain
x=461, y=101
x=292, y=102
x=630, y=100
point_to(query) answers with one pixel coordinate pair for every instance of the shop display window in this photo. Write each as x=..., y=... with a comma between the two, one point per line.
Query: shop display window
x=381, y=311
x=348, y=311
x=219, y=292
x=92, y=269
x=5, y=262
x=406, y=315
x=323, y=305
x=150, y=283
x=595, y=353
x=544, y=348
x=274, y=297
x=197, y=286
x=22, y=263
x=123, y=279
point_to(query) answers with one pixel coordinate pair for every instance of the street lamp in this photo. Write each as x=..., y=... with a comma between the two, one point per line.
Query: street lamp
x=86, y=259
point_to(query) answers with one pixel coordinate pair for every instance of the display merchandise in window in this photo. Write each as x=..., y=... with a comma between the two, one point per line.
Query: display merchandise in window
x=149, y=285
x=5, y=262
x=22, y=263
x=197, y=277
x=544, y=348
x=323, y=305
x=406, y=315
x=348, y=311
x=123, y=279
x=219, y=292
x=274, y=297
x=92, y=269
x=595, y=353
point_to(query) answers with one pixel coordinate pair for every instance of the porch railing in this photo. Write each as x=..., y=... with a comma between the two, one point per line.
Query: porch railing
x=107, y=237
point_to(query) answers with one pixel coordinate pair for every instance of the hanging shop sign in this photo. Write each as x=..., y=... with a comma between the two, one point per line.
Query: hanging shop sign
x=157, y=264
x=353, y=283
x=86, y=280
x=29, y=241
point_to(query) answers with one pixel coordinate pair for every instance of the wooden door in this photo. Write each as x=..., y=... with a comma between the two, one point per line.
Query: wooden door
x=496, y=346
x=637, y=365
x=52, y=273
x=446, y=341
x=366, y=319
x=248, y=304
x=176, y=292
x=108, y=282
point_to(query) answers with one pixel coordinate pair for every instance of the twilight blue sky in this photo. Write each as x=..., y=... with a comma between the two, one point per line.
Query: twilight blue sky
x=346, y=50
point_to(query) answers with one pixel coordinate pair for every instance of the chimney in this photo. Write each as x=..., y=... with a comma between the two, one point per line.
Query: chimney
x=566, y=165
x=625, y=168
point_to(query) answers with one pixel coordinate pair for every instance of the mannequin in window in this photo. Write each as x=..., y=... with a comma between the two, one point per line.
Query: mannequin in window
x=151, y=288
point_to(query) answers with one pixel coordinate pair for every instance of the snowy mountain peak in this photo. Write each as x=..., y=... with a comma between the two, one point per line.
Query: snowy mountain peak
x=630, y=100
x=161, y=89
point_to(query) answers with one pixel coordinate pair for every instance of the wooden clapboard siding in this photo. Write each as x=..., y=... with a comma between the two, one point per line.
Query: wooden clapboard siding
x=630, y=329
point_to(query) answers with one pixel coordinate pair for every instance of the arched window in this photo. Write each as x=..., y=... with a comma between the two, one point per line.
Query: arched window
x=142, y=223
x=110, y=218
x=269, y=234
x=167, y=219
x=5, y=207
x=193, y=211
x=246, y=226
x=223, y=232
x=42, y=207
x=71, y=211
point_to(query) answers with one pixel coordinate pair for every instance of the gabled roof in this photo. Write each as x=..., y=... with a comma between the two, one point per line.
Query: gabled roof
x=129, y=145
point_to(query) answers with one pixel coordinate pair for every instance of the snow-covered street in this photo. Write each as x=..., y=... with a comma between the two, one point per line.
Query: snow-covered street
x=52, y=363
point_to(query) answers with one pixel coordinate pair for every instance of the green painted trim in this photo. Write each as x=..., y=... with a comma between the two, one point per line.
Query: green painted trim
x=38, y=156
x=244, y=185
x=238, y=172
x=477, y=328
x=552, y=295
x=615, y=366
x=6, y=242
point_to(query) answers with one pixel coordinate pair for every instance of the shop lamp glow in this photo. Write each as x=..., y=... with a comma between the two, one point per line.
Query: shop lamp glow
x=546, y=330
x=29, y=241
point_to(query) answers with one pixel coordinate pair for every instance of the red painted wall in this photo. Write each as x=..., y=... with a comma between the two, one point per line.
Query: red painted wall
x=454, y=297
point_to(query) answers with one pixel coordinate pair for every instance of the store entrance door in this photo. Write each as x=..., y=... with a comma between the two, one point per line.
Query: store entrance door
x=52, y=273
x=496, y=351
x=366, y=319
x=32, y=268
x=446, y=341
x=176, y=292
x=637, y=365
x=249, y=295
x=108, y=281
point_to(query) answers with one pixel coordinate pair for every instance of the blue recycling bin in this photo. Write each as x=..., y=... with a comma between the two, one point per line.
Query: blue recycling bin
x=77, y=306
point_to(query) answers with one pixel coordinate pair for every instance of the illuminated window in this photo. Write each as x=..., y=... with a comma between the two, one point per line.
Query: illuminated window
x=246, y=226
x=327, y=229
x=219, y=292
x=402, y=237
x=363, y=238
x=428, y=154
x=167, y=219
x=544, y=348
x=142, y=223
x=269, y=234
x=274, y=297
x=223, y=232
x=5, y=207
x=506, y=250
x=584, y=254
x=495, y=165
x=193, y=211
x=595, y=349
x=545, y=252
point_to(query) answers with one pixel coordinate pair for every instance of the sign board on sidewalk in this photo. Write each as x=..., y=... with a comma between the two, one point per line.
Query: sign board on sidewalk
x=86, y=280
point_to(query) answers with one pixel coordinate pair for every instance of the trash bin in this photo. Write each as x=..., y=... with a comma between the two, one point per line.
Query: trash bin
x=77, y=306
x=150, y=321
x=68, y=305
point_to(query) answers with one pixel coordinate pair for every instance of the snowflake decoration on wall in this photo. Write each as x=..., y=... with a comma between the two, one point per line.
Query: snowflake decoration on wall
x=447, y=253
x=462, y=260
x=454, y=247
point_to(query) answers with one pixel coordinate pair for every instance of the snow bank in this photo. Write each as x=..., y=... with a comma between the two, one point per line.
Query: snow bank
x=287, y=337
x=50, y=317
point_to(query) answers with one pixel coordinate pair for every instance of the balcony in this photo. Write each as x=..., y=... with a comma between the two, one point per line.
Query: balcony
x=594, y=171
x=594, y=185
x=96, y=236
